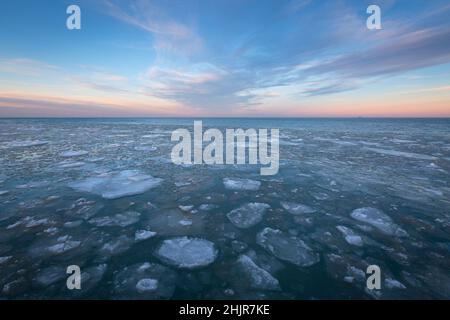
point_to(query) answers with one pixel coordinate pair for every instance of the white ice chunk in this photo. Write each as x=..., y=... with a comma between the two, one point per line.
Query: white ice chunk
x=379, y=220
x=186, y=208
x=248, y=215
x=49, y=276
x=207, y=207
x=141, y=235
x=350, y=236
x=287, y=248
x=146, y=285
x=68, y=165
x=185, y=222
x=241, y=184
x=297, y=208
x=258, y=278
x=117, y=246
x=117, y=185
x=27, y=143
x=121, y=220
x=393, y=284
x=186, y=252
x=5, y=259
x=71, y=153
x=64, y=244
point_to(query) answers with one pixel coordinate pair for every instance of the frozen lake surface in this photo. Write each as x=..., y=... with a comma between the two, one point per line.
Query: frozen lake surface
x=103, y=194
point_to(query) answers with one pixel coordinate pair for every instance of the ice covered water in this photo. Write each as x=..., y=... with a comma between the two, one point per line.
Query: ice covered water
x=104, y=195
x=287, y=248
x=378, y=219
x=117, y=185
x=296, y=208
x=187, y=252
x=257, y=277
x=241, y=184
x=248, y=215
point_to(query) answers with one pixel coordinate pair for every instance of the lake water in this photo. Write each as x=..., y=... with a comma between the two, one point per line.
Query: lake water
x=103, y=194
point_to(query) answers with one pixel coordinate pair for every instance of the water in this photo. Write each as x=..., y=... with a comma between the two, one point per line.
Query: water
x=93, y=193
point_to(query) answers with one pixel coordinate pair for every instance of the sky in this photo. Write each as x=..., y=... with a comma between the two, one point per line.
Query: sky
x=225, y=58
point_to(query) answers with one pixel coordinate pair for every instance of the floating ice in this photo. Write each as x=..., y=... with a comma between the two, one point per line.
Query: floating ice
x=117, y=185
x=5, y=259
x=117, y=246
x=49, y=276
x=182, y=184
x=257, y=277
x=141, y=235
x=286, y=248
x=379, y=220
x=185, y=222
x=241, y=184
x=71, y=153
x=91, y=276
x=401, y=154
x=248, y=215
x=68, y=165
x=297, y=208
x=146, y=285
x=350, y=236
x=393, y=284
x=188, y=253
x=63, y=246
x=27, y=143
x=207, y=207
x=121, y=220
x=186, y=208
x=145, y=281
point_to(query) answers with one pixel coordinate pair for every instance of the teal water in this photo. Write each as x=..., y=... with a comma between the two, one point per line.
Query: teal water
x=77, y=191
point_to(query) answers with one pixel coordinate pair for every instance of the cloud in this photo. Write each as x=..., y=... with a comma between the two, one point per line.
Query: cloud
x=295, y=5
x=170, y=36
x=413, y=50
x=17, y=105
x=26, y=67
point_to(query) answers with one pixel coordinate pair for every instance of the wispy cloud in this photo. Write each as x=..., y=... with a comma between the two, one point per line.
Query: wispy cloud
x=413, y=50
x=26, y=67
x=170, y=36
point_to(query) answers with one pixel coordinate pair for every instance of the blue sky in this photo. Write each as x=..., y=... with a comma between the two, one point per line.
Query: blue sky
x=225, y=58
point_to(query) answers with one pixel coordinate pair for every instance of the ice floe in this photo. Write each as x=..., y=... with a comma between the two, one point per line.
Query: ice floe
x=297, y=208
x=248, y=215
x=145, y=281
x=258, y=278
x=350, y=236
x=188, y=253
x=26, y=143
x=49, y=276
x=5, y=259
x=379, y=220
x=393, y=284
x=120, y=220
x=117, y=185
x=208, y=207
x=287, y=248
x=241, y=184
x=147, y=285
x=116, y=246
x=71, y=153
x=141, y=235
